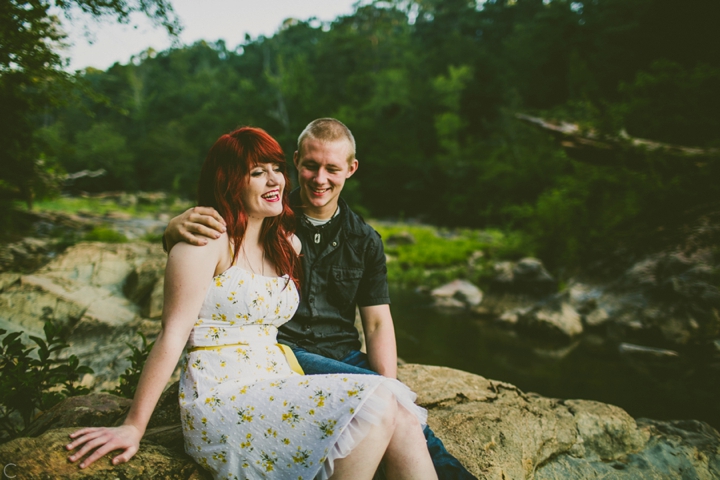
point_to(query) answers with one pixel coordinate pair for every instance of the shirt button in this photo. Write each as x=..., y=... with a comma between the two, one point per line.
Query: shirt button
x=334, y=244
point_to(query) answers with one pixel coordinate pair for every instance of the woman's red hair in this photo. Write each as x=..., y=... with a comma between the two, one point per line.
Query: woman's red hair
x=223, y=177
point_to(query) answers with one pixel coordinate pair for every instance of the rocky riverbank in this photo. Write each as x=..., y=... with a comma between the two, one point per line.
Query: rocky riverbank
x=104, y=294
x=496, y=430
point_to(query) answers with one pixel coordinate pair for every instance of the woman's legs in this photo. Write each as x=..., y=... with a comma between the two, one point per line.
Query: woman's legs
x=363, y=460
x=407, y=456
x=399, y=440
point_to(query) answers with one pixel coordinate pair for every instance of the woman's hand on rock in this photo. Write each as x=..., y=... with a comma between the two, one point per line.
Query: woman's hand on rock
x=104, y=440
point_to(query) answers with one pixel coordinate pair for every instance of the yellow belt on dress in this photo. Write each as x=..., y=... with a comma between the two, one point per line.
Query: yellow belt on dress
x=287, y=351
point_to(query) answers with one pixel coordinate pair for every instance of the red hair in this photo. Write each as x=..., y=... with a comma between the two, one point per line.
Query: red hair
x=223, y=176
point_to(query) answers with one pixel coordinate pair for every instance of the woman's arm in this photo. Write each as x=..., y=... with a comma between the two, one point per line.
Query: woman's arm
x=187, y=277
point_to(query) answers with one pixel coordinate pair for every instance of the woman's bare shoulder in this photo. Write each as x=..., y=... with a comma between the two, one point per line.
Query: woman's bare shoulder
x=215, y=248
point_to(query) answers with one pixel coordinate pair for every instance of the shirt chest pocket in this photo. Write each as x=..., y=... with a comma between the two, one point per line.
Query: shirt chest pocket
x=343, y=285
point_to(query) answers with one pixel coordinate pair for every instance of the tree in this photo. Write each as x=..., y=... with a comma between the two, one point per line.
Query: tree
x=32, y=79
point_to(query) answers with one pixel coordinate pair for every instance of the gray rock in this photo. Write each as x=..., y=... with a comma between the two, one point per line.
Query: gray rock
x=553, y=320
x=457, y=294
x=528, y=276
x=597, y=317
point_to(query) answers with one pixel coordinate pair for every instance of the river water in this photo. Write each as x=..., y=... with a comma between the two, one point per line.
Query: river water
x=590, y=368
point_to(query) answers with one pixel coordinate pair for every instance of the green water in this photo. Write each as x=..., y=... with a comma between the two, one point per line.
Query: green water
x=590, y=368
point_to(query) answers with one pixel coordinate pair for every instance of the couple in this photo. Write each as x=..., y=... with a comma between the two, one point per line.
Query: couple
x=245, y=412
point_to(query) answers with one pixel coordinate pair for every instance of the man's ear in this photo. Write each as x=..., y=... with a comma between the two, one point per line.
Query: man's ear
x=353, y=167
x=296, y=158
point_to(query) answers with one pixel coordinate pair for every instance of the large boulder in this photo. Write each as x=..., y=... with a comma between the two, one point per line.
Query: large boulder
x=500, y=432
x=493, y=428
x=82, y=290
x=45, y=458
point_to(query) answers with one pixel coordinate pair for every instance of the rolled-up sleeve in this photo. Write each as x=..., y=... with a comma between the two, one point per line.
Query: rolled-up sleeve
x=373, y=288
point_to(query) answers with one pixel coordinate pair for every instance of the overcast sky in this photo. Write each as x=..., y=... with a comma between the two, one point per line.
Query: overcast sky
x=208, y=20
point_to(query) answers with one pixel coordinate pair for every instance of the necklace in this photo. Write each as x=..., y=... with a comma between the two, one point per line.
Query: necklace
x=247, y=260
x=319, y=225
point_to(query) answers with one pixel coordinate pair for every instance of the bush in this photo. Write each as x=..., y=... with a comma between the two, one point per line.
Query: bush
x=129, y=380
x=30, y=385
x=103, y=234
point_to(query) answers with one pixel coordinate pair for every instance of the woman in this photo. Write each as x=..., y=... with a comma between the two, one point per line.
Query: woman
x=245, y=413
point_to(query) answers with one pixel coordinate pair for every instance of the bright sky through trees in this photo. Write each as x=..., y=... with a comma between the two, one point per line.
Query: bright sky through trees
x=210, y=20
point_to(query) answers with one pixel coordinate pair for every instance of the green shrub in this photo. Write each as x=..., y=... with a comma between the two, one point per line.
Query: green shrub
x=30, y=385
x=440, y=255
x=129, y=380
x=104, y=234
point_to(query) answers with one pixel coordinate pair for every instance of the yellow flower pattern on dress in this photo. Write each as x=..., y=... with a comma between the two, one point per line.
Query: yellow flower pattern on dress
x=245, y=413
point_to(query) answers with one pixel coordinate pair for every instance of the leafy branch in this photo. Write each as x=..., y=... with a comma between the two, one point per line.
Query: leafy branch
x=31, y=384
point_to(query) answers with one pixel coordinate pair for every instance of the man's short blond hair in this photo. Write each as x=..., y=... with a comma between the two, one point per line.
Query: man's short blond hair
x=328, y=130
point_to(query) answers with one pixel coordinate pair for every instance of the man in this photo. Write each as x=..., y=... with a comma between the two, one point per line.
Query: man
x=343, y=267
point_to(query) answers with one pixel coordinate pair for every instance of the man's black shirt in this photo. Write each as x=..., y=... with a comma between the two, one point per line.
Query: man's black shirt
x=347, y=268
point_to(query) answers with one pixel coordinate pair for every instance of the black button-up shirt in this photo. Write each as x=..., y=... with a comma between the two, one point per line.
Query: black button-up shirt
x=348, y=270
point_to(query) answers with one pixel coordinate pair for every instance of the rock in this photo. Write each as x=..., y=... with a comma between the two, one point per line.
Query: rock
x=583, y=298
x=105, y=265
x=511, y=317
x=639, y=351
x=81, y=290
x=596, y=317
x=493, y=428
x=400, y=238
x=93, y=410
x=556, y=353
x=528, y=276
x=25, y=255
x=457, y=294
x=8, y=279
x=154, y=307
x=499, y=432
x=139, y=282
x=45, y=457
x=552, y=320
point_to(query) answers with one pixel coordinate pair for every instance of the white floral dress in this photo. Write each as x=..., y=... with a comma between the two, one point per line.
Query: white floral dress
x=245, y=413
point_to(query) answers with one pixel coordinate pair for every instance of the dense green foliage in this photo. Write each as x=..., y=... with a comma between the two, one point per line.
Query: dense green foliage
x=430, y=89
x=430, y=257
x=32, y=383
x=32, y=81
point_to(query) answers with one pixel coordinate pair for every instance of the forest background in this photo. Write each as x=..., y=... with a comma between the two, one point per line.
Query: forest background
x=430, y=88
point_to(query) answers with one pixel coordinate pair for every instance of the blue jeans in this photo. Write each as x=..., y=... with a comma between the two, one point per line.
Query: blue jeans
x=446, y=466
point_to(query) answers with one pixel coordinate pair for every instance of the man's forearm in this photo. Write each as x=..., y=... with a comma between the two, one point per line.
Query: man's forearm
x=382, y=354
x=380, y=339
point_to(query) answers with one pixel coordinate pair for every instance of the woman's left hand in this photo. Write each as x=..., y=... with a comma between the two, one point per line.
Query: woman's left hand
x=104, y=440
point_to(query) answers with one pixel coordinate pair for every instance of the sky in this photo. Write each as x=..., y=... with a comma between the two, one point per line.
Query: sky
x=100, y=44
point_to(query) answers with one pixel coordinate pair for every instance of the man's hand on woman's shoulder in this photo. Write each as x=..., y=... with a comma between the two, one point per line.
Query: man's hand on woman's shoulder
x=194, y=226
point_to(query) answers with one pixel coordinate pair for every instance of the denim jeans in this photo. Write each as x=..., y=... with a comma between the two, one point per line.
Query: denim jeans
x=446, y=466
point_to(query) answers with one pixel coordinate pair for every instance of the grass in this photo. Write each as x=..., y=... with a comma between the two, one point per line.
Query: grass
x=104, y=234
x=441, y=255
x=103, y=206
